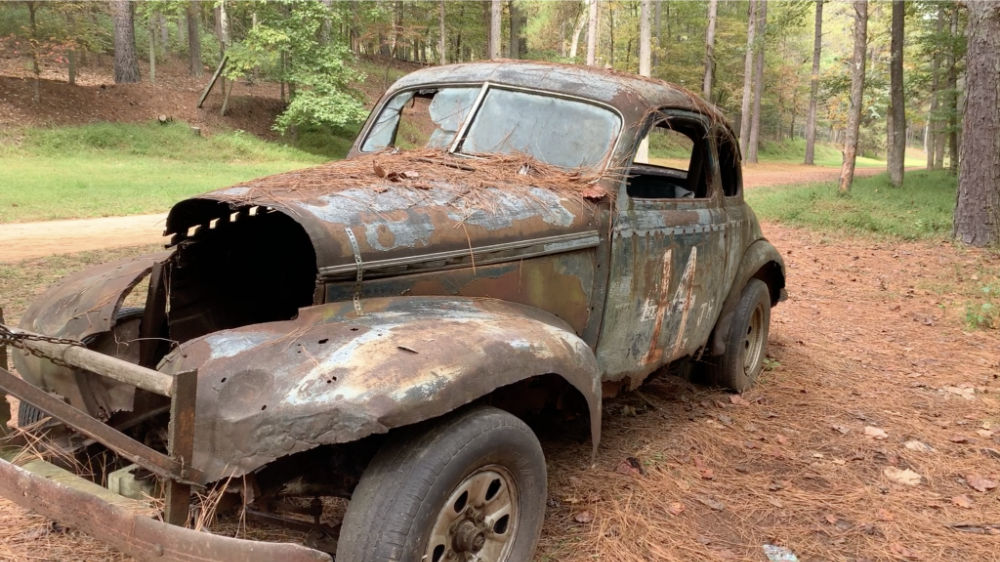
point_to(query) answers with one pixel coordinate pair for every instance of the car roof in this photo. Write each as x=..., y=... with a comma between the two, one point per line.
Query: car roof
x=632, y=95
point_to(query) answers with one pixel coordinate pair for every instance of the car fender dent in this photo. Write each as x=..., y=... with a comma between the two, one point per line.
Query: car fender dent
x=332, y=376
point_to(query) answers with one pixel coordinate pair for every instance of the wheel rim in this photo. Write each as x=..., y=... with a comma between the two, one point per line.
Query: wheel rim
x=479, y=520
x=753, y=343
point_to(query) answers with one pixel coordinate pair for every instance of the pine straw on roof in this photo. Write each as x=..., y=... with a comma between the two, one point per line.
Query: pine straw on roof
x=424, y=170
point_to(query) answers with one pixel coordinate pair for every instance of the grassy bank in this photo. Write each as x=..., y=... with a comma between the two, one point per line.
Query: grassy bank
x=921, y=208
x=110, y=169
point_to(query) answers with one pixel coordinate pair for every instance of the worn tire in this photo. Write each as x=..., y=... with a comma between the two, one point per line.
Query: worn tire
x=414, y=487
x=746, y=341
x=28, y=414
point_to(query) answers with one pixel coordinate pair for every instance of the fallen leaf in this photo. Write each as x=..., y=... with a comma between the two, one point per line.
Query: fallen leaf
x=979, y=482
x=630, y=466
x=830, y=518
x=905, y=477
x=958, y=439
x=984, y=433
x=595, y=193
x=918, y=446
x=738, y=400
x=962, y=501
x=379, y=170
x=781, y=439
x=901, y=551
x=676, y=508
x=712, y=503
x=884, y=515
x=875, y=433
x=841, y=429
x=583, y=517
x=966, y=392
x=707, y=474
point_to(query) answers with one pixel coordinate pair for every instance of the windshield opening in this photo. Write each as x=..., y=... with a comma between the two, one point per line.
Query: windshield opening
x=558, y=131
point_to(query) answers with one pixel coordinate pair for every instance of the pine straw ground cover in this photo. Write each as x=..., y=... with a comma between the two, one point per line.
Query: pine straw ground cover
x=871, y=368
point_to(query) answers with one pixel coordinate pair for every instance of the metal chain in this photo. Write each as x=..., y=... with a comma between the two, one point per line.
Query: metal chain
x=17, y=339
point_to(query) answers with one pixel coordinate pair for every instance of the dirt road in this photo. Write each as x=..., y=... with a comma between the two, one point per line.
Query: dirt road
x=20, y=241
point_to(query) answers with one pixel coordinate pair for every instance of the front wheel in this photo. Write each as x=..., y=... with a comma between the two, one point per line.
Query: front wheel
x=471, y=487
x=746, y=342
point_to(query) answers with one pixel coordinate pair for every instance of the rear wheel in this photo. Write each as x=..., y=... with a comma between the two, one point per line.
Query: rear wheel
x=746, y=342
x=471, y=487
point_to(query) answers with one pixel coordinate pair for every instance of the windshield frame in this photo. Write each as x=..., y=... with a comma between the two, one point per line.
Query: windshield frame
x=484, y=87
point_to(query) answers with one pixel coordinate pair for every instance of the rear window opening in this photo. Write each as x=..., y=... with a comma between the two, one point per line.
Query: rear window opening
x=237, y=268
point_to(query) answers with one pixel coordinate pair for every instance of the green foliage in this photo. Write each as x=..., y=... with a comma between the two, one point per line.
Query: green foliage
x=921, y=208
x=984, y=312
x=287, y=46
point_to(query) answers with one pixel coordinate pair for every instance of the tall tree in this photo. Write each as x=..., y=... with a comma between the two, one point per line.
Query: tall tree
x=496, y=9
x=758, y=83
x=442, y=43
x=126, y=64
x=645, y=65
x=857, y=91
x=593, y=10
x=194, y=39
x=514, y=47
x=977, y=210
x=897, y=110
x=706, y=85
x=952, y=93
x=814, y=85
x=748, y=72
x=581, y=21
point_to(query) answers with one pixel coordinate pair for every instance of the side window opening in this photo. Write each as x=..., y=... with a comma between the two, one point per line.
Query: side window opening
x=729, y=164
x=676, y=163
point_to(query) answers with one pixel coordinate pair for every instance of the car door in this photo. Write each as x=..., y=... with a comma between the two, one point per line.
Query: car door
x=668, y=249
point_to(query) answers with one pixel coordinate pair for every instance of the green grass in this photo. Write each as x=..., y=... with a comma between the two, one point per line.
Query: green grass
x=921, y=208
x=117, y=168
x=793, y=151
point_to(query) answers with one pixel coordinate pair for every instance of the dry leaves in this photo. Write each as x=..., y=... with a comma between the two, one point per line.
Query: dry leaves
x=875, y=432
x=583, y=517
x=905, y=477
x=962, y=501
x=980, y=483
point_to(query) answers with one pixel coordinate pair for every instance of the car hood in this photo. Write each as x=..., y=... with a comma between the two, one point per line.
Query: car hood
x=393, y=206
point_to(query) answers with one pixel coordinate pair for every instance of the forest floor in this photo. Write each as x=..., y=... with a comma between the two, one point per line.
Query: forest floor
x=872, y=372
x=873, y=435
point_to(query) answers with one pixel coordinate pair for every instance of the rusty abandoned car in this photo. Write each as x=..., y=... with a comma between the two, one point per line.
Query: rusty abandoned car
x=497, y=244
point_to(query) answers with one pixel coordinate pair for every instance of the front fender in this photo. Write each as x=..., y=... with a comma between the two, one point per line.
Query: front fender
x=78, y=307
x=334, y=376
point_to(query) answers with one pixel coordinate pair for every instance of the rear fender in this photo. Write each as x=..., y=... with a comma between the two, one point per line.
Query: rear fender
x=335, y=376
x=760, y=260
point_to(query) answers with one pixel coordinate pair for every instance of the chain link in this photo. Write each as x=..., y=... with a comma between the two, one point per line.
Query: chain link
x=17, y=339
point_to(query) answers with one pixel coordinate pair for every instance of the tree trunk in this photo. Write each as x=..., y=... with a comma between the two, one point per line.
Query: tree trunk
x=857, y=91
x=645, y=60
x=657, y=15
x=442, y=43
x=194, y=40
x=574, y=44
x=514, y=48
x=897, y=110
x=758, y=83
x=126, y=64
x=939, y=79
x=814, y=86
x=152, y=50
x=496, y=10
x=977, y=210
x=748, y=71
x=706, y=88
x=161, y=23
x=593, y=10
x=953, y=96
x=36, y=95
